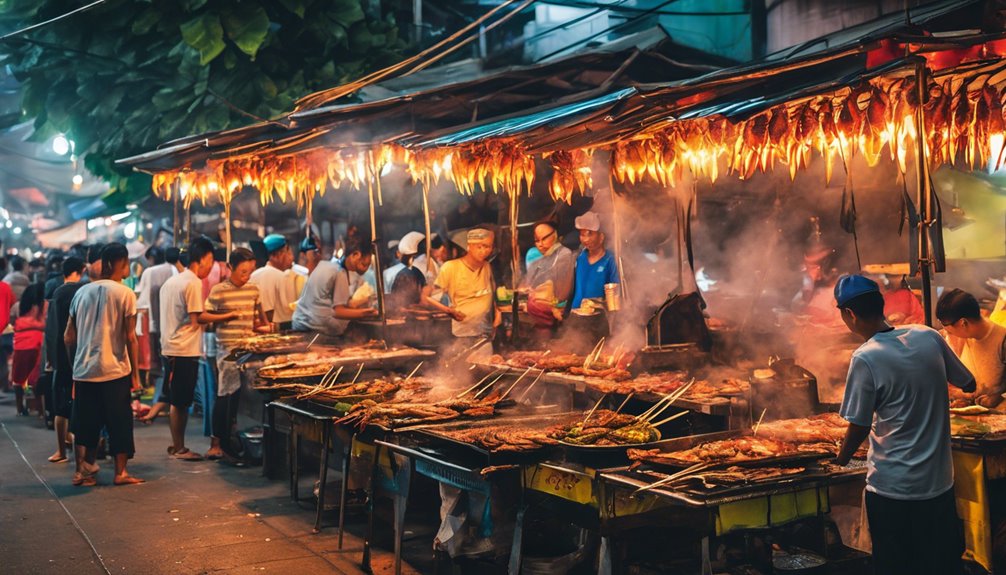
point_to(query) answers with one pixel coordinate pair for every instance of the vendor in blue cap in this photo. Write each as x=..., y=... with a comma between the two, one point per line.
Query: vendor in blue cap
x=276, y=284
x=896, y=395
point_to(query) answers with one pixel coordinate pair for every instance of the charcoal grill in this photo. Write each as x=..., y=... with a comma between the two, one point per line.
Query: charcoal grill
x=677, y=336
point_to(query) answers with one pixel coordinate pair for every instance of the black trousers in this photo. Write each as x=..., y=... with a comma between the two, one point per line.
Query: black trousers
x=915, y=537
x=225, y=413
x=105, y=404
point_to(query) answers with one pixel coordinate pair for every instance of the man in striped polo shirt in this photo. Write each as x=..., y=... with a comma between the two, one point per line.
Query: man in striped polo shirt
x=232, y=296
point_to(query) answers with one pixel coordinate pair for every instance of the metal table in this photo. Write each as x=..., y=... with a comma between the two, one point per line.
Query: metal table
x=312, y=416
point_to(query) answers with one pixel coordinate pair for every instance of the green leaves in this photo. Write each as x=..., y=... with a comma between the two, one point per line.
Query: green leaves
x=205, y=34
x=127, y=76
x=247, y=28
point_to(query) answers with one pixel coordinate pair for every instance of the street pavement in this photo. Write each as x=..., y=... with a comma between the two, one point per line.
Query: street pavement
x=190, y=517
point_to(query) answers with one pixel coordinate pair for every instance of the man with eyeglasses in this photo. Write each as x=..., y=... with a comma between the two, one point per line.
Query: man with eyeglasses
x=549, y=278
x=979, y=343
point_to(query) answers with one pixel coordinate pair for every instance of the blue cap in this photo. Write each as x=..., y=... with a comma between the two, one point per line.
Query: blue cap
x=852, y=286
x=274, y=242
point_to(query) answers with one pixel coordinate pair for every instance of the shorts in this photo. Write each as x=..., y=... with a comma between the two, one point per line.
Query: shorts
x=62, y=395
x=105, y=404
x=180, y=377
x=24, y=367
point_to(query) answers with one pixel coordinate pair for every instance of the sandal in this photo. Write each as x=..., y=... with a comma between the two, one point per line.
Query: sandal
x=84, y=480
x=57, y=459
x=128, y=480
x=186, y=454
x=213, y=455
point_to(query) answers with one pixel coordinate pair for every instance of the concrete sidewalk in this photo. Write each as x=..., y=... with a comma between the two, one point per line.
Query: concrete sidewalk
x=190, y=517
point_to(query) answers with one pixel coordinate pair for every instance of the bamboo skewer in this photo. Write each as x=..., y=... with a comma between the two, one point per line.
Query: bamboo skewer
x=758, y=424
x=528, y=390
x=490, y=385
x=592, y=410
x=314, y=339
x=480, y=382
x=627, y=398
x=420, y=364
x=677, y=395
x=671, y=418
x=672, y=477
x=514, y=384
x=358, y=372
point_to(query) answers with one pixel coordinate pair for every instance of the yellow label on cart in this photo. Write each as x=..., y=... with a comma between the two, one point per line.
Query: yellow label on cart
x=771, y=511
x=570, y=485
x=973, y=507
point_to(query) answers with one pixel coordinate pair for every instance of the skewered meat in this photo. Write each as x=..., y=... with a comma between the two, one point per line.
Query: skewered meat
x=392, y=415
x=612, y=373
x=740, y=449
x=606, y=427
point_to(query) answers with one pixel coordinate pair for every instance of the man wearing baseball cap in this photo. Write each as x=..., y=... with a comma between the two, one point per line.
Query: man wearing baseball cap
x=468, y=282
x=276, y=285
x=595, y=266
x=896, y=394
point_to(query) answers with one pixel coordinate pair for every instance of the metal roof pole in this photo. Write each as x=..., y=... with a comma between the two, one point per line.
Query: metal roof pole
x=925, y=193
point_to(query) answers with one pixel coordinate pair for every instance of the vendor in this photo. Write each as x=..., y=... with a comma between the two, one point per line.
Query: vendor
x=310, y=253
x=549, y=278
x=277, y=286
x=327, y=305
x=979, y=343
x=438, y=255
x=816, y=299
x=896, y=394
x=468, y=282
x=900, y=304
x=595, y=266
x=407, y=285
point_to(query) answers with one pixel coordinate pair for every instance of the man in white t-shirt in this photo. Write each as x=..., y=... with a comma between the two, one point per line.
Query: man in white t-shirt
x=896, y=394
x=101, y=338
x=276, y=283
x=182, y=316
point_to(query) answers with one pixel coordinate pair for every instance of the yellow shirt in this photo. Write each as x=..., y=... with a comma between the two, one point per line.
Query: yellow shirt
x=471, y=293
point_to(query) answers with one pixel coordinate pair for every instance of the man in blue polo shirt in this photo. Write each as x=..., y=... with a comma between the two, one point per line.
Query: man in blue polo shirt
x=595, y=266
x=896, y=394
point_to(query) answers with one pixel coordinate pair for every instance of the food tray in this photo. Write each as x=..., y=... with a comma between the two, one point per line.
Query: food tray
x=683, y=443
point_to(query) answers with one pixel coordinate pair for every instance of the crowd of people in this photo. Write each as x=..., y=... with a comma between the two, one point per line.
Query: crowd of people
x=85, y=332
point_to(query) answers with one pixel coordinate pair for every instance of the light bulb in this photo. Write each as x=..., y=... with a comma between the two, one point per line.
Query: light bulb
x=78, y=179
x=60, y=145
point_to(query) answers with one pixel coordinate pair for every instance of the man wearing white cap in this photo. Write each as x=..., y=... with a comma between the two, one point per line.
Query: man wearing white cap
x=324, y=306
x=277, y=287
x=468, y=282
x=595, y=266
x=408, y=246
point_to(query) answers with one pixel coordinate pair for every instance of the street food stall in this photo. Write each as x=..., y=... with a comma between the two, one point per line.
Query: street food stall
x=654, y=428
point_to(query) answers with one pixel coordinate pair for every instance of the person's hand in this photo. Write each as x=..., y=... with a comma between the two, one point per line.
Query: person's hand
x=371, y=312
x=990, y=401
x=960, y=402
x=135, y=380
x=264, y=328
x=497, y=319
x=457, y=315
x=231, y=316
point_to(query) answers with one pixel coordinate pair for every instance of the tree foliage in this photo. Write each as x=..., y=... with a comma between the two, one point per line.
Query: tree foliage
x=128, y=75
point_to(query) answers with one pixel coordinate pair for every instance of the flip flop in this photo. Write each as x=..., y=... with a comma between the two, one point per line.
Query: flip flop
x=82, y=480
x=187, y=454
x=213, y=456
x=128, y=480
x=57, y=459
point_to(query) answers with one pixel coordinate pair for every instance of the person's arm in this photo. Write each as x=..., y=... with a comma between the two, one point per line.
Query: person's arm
x=131, y=350
x=958, y=374
x=443, y=282
x=855, y=435
x=70, y=338
x=564, y=276
x=857, y=408
x=341, y=294
x=215, y=318
x=261, y=323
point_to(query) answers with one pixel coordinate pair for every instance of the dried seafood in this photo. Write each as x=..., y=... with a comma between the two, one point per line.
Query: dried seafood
x=502, y=438
x=736, y=450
